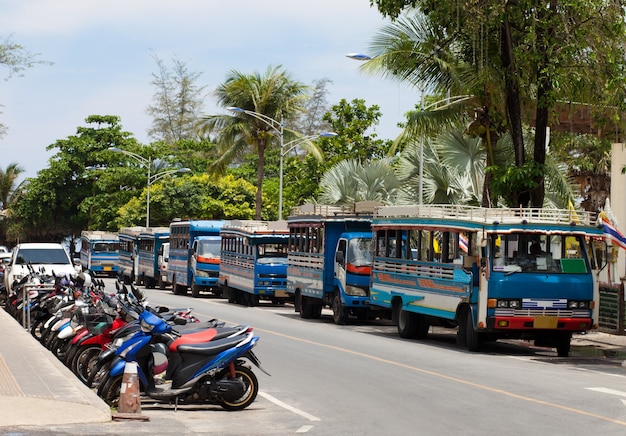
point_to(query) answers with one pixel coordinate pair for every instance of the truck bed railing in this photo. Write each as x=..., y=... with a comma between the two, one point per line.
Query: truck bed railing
x=484, y=215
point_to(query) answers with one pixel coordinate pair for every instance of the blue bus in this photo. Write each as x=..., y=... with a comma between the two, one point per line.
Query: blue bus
x=128, y=261
x=494, y=273
x=330, y=259
x=150, y=242
x=253, y=261
x=194, y=260
x=99, y=252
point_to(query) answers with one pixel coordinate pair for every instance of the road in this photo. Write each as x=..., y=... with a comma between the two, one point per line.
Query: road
x=363, y=379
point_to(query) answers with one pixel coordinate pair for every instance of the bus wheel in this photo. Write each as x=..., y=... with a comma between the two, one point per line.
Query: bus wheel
x=195, y=289
x=297, y=301
x=407, y=324
x=340, y=313
x=231, y=294
x=305, y=307
x=474, y=339
x=421, y=329
x=161, y=283
x=316, y=310
x=563, y=343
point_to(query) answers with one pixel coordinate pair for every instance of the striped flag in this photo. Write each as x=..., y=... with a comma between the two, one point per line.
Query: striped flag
x=463, y=242
x=611, y=231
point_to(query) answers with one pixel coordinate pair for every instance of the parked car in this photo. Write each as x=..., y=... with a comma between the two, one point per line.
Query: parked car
x=52, y=257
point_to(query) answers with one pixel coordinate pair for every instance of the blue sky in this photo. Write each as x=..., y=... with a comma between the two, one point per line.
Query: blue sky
x=102, y=54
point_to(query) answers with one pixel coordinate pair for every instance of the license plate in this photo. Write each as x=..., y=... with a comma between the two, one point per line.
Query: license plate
x=108, y=268
x=281, y=294
x=545, y=322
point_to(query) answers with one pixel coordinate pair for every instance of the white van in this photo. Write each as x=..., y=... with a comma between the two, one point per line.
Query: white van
x=50, y=257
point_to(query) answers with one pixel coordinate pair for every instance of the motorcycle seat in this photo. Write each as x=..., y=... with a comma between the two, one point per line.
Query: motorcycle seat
x=210, y=348
x=201, y=336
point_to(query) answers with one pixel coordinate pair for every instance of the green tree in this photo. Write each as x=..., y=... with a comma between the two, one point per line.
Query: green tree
x=531, y=53
x=354, y=122
x=198, y=197
x=49, y=205
x=351, y=181
x=275, y=96
x=8, y=189
x=177, y=103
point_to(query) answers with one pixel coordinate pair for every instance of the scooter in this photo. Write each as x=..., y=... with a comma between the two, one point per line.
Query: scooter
x=205, y=367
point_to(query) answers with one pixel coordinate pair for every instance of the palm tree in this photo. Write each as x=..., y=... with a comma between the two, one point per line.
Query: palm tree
x=7, y=184
x=351, y=181
x=273, y=96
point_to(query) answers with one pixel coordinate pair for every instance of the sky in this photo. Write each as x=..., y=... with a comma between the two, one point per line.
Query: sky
x=102, y=60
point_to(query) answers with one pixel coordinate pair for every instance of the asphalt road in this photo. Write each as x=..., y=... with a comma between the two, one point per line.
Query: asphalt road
x=364, y=379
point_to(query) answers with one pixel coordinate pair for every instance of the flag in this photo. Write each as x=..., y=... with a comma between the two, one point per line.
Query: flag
x=463, y=242
x=611, y=231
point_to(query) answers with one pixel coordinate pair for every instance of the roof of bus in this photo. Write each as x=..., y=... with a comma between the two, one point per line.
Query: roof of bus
x=255, y=227
x=155, y=232
x=490, y=219
x=98, y=235
x=199, y=224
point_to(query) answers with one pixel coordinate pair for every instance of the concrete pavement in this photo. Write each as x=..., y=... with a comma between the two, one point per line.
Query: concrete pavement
x=39, y=395
x=36, y=388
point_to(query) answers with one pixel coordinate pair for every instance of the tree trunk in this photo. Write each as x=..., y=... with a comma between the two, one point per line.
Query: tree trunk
x=259, y=178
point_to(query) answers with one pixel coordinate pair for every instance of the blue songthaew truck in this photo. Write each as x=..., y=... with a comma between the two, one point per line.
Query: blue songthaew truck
x=329, y=260
x=194, y=258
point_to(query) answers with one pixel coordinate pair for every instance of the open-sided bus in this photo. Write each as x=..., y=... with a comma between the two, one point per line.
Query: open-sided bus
x=149, y=243
x=495, y=273
x=253, y=263
x=99, y=252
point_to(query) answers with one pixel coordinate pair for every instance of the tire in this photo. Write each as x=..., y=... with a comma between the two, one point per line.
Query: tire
x=316, y=310
x=407, y=324
x=461, y=334
x=306, y=307
x=474, y=339
x=252, y=388
x=231, y=293
x=110, y=392
x=563, y=344
x=161, y=283
x=340, y=312
x=98, y=374
x=297, y=301
x=195, y=289
x=37, y=328
x=85, y=361
x=421, y=331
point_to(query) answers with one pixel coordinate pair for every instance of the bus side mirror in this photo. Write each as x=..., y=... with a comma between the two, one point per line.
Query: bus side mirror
x=339, y=257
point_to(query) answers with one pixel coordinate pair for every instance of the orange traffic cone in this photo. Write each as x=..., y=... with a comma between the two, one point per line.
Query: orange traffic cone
x=129, y=406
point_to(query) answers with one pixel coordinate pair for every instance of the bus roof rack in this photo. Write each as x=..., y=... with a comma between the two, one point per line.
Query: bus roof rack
x=325, y=210
x=489, y=215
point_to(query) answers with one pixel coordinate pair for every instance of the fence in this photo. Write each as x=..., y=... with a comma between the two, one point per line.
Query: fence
x=611, y=319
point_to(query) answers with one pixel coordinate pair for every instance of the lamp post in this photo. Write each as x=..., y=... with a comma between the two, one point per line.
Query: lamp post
x=147, y=164
x=286, y=148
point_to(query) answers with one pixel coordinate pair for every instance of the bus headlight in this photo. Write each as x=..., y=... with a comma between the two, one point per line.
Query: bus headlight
x=355, y=291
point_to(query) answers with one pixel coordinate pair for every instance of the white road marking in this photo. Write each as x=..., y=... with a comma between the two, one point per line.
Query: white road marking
x=288, y=407
x=304, y=429
x=608, y=391
x=600, y=372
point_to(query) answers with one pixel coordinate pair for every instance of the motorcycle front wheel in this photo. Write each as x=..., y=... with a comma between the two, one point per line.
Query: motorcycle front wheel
x=110, y=391
x=251, y=384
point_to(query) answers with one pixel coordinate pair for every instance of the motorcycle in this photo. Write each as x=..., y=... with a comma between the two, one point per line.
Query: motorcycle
x=205, y=367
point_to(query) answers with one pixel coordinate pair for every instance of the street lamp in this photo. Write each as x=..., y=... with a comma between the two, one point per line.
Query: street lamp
x=286, y=148
x=147, y=163
x=277, y=127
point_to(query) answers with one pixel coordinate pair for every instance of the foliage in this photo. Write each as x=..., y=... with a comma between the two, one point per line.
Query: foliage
x=353, y=122
x=197, y=197
x=351, y=181
x=48, y=207
x=311, y=120
x=177, y=103
x=518, y=59
x=270, y=100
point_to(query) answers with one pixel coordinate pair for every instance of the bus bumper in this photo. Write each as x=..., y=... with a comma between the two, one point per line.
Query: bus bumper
x=500, y=323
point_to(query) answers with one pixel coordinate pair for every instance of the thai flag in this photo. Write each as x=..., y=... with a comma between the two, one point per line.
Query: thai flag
x=463, y=242
x=612, y=233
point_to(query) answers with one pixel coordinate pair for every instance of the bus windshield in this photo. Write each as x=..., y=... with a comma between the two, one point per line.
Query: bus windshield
x=360, y=251
x=272, y=253
x=209, y=248
x=526, y=252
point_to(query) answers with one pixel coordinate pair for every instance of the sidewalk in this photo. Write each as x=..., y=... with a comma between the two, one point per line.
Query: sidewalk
x=36, y=388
